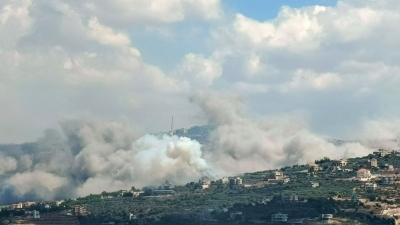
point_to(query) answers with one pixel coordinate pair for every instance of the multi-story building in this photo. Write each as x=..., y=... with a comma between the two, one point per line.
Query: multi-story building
x=233, y=215
x=225, y=180
x=382, y=152
x=17, y=206
x=313, y=166
x=32, y=214
x=341, y=162
x=80, y=211
x=370, y=186
x=28, y=204
x=387, y=180
x=139, y=221
x=355, y=197
x=327, y=218
x=235, y=181
x=279, y=217
x=277, y=175
x=373, y=163
x=363, y=175
x=293, y=198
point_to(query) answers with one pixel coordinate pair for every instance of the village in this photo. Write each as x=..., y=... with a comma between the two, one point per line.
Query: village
x=355, y=189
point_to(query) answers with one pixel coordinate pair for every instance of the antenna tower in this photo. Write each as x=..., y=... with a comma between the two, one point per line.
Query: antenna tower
x=172, y=124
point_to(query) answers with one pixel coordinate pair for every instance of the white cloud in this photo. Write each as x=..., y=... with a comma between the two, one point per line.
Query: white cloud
x=199, y=70
x=304, y=79
x=106, y=35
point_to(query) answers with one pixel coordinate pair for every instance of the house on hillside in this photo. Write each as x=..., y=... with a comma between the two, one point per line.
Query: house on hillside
x=205, y=182
x=327, y=218
x=339, y=163
x=373, y=163
x=382, y=153
x=235, y=181
x=363, y=175
x=387, y=180
x=370, y=186
x=313, y=166
x=17, y=206
x=225, y=180
x=279, y=217
x=277, y=175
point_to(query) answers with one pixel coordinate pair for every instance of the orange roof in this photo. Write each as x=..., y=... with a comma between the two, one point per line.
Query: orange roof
x=363, y=170
x=312, y=164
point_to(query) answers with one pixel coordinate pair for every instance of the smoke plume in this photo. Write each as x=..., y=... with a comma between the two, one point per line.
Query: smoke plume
x=90, y=155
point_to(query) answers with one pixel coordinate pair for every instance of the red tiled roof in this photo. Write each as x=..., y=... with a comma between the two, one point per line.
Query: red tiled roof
x=312, y=164
x=363, y=170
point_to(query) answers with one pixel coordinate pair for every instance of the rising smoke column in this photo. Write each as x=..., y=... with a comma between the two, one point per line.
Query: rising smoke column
x=90, y=156
x=241, y=144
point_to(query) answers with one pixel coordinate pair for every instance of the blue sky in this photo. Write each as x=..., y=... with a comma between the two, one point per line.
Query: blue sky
x=147, y=60
x=268, y=9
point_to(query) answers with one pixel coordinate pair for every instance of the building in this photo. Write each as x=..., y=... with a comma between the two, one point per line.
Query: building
x=370, y=186
x=235, y=181
x=363, y=175
x=382, y=153
x=277, y=175
x=17, y=206
x=279, y=217
x=204, y=183
x=355, y=197
x=28, y=204
x=313, y=166
x=32, y=214
x=373, y=163
x=327, y=218
x=80, y=211
x=137, y=193
x=340, y=163
x=286, y=180
x=138, y=221
x=387, y=180
x=233, y=215
x=293, y=198
x=58, y=203
x=389, y=167
x=225, y=180
x=314, y=184
x=167, y=185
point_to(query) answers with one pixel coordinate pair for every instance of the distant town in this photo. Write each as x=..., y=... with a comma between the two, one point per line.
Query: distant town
x=341, y=191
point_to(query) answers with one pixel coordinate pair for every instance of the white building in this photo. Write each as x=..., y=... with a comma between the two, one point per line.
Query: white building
x=236, y=181
x=363, y=175
x=327, y=218
x=279, y=217
x=277, y=175
x=225, y=180
x=370, y=186
x=387, y=180
x=17, y=206
x=58, y=203
x=233, y=215
x=340, y=163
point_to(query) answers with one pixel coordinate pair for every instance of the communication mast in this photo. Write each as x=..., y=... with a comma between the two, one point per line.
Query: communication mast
x=171, y=132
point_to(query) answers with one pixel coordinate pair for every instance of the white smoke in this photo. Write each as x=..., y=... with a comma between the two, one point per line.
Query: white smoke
x=97, y=156
x=242, y=144
x=91, y=156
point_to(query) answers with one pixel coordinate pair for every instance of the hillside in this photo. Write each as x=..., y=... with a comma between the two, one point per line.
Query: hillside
x=300, y=192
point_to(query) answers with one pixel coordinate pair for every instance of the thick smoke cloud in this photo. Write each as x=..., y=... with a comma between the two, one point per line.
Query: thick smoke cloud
x=242, y=144
x=90, y=156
